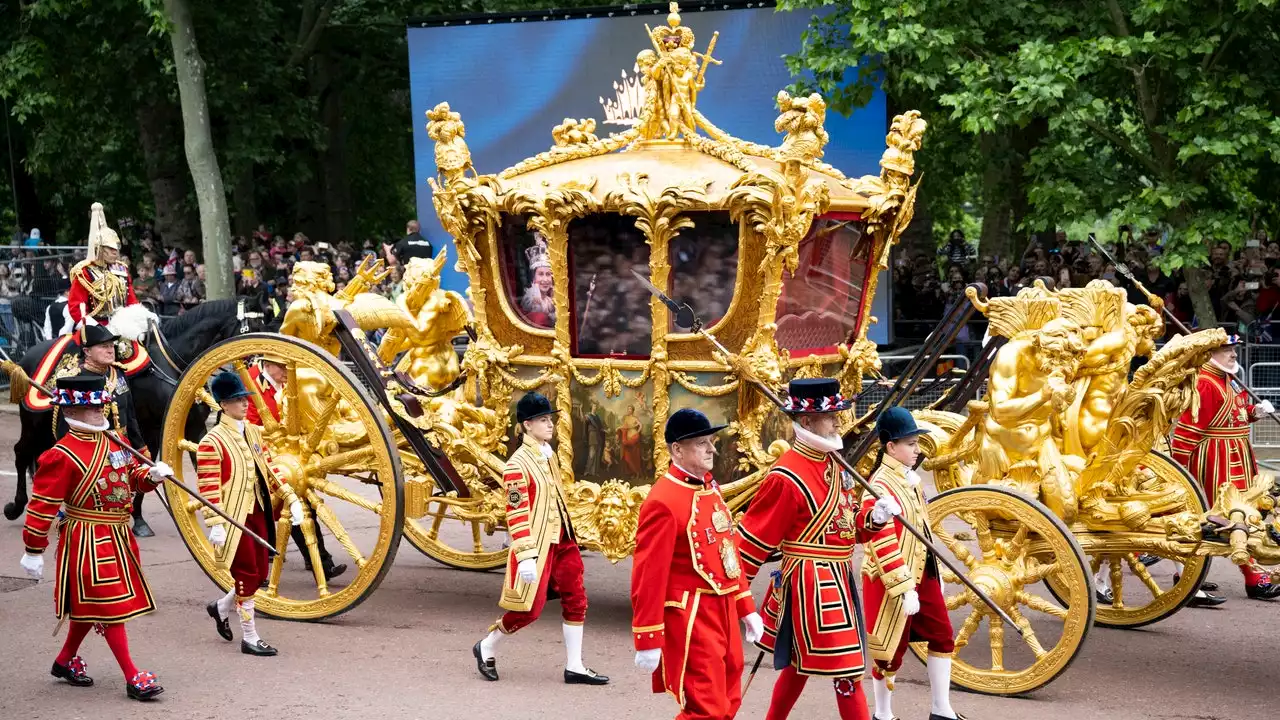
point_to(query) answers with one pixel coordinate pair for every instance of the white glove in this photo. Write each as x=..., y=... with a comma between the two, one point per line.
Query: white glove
x=160, y=470
x=911, y=602
x=218, y=535
x=33, y=564
x=647, y=660
x=1265, y=408
x=527, y=570
x=752, y=627
x=295, y=512
x=885, y=509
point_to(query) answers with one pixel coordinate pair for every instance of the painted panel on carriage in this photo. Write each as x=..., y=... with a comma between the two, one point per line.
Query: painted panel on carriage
x=534, y=74
x=613, y=436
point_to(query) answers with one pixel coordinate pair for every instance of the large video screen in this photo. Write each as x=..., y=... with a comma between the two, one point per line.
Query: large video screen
x=513, y=81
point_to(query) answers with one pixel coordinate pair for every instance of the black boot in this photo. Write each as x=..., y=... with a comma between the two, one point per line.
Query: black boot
x=73, y=672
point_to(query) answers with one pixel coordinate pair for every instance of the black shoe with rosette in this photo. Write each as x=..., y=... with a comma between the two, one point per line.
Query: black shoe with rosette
x=74, y=672
x=143, y=686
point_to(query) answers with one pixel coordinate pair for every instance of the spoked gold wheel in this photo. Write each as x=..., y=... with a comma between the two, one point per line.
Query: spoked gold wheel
x=448, y=537
x=333, y=448
x=999, y=535
x=1141, y=594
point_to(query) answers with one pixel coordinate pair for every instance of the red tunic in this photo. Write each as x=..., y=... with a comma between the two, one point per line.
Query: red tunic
x=808, y=509
x=80, y=299
x=268, y=397
x=687, y=593
x=1213, y=443
x=99, y=575
x=537, y=520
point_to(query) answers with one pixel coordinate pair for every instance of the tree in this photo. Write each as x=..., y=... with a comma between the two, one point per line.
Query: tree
x=1149, y=113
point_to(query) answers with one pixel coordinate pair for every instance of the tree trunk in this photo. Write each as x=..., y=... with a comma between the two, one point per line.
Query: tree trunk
x=244, y=202
x=1198, y=287
x=215, y=227
x=176, y=221
x=339, y=214
x=997, y=206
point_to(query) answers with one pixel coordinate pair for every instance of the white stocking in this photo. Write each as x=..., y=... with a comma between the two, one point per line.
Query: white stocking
x=939, y=668
x=226, y=604
x=884, y=698
x=573, y=648
x=249, y=633
x=490, y=644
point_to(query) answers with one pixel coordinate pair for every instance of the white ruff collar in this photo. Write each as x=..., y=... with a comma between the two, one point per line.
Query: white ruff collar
x=1223, y=368
x=816, y=441
x=86, y=427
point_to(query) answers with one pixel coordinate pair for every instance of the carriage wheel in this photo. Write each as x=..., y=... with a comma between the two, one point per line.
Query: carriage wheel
x=1144, y=595
x=456, y=542
x=998, y=534
x=335, y=451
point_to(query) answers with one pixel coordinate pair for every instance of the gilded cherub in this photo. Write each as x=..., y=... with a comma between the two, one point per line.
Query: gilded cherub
x=437, y=316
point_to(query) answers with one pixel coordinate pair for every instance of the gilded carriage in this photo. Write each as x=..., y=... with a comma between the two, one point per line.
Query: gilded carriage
x=385, y=432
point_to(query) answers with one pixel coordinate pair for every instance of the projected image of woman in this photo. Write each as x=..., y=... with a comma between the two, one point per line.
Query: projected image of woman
x=537, y=302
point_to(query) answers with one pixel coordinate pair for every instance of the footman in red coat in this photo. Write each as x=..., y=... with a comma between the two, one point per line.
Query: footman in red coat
x=688, y=591
x=99, y=582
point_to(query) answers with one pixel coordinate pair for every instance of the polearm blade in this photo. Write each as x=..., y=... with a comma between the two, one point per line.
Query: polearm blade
x=1182, y=328
x=149, y=463
x=685, y=316
x=844, y=464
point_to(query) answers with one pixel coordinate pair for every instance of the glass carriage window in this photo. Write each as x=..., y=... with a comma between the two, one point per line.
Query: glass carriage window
x=704, y=266
x=820, y=304
x=527, y=273
x=610, y=307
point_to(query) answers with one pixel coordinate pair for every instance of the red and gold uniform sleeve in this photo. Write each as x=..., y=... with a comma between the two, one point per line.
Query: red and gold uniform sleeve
x=55, y=475
x=78, y=299
x=765, y=525
x=885, y=552
x=650, y=573
x=1189, y=430
x=209, y=477
x=140, y=478
x=523, y=544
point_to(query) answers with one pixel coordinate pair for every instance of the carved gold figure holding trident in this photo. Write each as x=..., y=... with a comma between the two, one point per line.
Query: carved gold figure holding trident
x=1029, y=388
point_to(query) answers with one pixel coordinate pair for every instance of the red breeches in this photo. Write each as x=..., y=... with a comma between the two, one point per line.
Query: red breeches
x=561, y=572
x=251, y=565
x=931, y=625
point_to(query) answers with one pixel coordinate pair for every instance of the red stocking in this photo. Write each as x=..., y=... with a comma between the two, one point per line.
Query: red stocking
x=118, y=641
x=786, y=691
x=75, y=636
x=850, y=701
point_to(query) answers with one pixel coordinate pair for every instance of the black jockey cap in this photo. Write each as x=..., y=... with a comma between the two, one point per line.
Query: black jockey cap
x=896, y=423
x=533, y=405
x=228, y=386
x=687, y=424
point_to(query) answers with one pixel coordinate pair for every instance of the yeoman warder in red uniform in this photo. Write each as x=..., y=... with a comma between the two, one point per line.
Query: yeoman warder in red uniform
x=99, y=581
x=688, y=590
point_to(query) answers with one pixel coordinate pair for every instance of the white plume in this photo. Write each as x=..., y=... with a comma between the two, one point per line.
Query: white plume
x=131, y=321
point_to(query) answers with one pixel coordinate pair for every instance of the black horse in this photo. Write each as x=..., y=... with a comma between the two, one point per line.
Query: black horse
x=184, y=338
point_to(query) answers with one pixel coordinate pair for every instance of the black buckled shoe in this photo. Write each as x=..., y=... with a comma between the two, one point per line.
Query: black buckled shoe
x=142, y=529
x=1203, y=599
x=143, y=686
x=1148, y=559
x=936, y=716
x=258, y=647
x=1205, y=586
x=223, y=625
x=590, y=677
x=73, y=672
x=488, y=668
x=1263, y=591
x=331, y=570
x=1105, y=596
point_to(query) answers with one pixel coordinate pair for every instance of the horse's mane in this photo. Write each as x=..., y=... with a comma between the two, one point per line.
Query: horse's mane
x=180, y=325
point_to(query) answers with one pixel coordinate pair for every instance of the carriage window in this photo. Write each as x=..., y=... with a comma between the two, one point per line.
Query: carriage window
x=704, y=266
x=611, y=307
x=528, y=278
x=820, y=303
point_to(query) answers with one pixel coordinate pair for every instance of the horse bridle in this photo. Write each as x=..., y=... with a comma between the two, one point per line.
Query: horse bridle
x=241, y=315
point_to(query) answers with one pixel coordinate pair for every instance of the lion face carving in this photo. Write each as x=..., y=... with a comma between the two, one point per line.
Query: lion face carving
x=606, y=516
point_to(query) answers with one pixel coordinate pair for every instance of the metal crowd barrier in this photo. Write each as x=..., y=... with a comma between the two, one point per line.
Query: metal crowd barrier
x=930, y=388
x=1264, y=378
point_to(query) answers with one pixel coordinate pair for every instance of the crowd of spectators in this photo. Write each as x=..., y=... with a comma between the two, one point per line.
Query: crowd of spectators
x=1244, y=284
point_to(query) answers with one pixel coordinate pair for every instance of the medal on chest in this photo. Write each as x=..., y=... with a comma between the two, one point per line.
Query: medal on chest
x=112, y=490
x=729, y=557
x=118, y=458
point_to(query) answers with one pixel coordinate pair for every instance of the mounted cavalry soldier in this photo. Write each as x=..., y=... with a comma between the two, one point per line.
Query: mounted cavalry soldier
x=1211, y=440
x=99, y=581
x=900, y=580
x=688, y=591
x=235, y=472
x=807, y=508
x=544, y=553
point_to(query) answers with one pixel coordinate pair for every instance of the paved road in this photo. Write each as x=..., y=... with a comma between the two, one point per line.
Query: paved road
x=406, y=653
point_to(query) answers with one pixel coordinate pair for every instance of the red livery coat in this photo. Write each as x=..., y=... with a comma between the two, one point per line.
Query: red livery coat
x=688, y=592
x=99, y=574
x=269, y=397
x=1212, y=441
x=228, y=463
x=806, y=508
